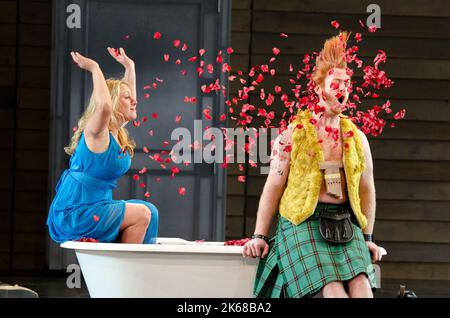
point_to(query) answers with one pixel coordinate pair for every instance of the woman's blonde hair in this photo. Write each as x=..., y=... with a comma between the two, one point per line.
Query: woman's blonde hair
x=331, y=56
x=126, y=143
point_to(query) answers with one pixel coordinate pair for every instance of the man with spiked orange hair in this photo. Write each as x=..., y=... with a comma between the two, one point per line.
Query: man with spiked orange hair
x=323, y=188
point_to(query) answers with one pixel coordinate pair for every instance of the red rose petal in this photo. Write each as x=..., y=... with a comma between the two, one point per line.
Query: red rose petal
x=157, y=35
x=181, y=190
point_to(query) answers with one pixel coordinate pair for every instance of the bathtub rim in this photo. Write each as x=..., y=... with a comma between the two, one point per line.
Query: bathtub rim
x=198, y=248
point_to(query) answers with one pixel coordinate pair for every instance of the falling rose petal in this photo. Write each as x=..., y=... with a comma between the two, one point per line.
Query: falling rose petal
x=210, y=68
x=400, y=114
x=283, y=35
x=184, y=47
x=375, y=95
x=74, y=129
x=291, y=69
x=181, y=190
x=277, y=89
x=223, y=117
x=178, y=62
x=241, y=179
x=155, y=115
x=219, y=59
x=165, y=143
x=372, y=28
x=142, y=185
x=230, y=50
x=157, y=35
x=116, y=52
x=150, y=132
x=335, y=24
x=358, y=37
x=272, y=72
x=143, y=170
x=176, y=43
x=147, y=194
x=361, y=24
x=272, y=59
x=136, y=123
x=177, y=118
x=201, y=52
x=146, y=96
x=276, y=51
x=96, y=218
x=126, y=37
x=159, y=80
x=166, y=57
x=207, y=114
x=135, y=177
x=145, y=149
x=192, y=59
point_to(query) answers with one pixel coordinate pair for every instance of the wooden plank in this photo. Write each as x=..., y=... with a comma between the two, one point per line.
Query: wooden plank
x=33, y=119
x=240, y=20
x=34, y=98
x=29, y=242
x=233, y=228
x=8, y=97
x=402, y=88
x=5, y=238
x=394, y=67
x=412, y=170
x=401, y=270
x=7, y=139
x=5, y=220
x=35, y=77
x=30, y=222
x=4, y=261
x=28, y=261
x=32, y=139
x=34, y=56
x=36, y=12
x=313, y=23
x=413, y=210
x=239, y=62
x=32, y=160
x=31, y=201
x=9, y=34
x=440, y=8
x=241, y=5
x=7, y=55
x=235, y=205
x=299, y=44
x=6, y=199
x=412, y=231
x=240, y=42
x=31, y=180
x=36, y=35
x=416, y=252
x=410, y=150
x=8, y=12
x=6, y=179
x=8, y=77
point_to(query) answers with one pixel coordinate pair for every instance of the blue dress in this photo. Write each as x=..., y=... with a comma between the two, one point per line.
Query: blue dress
x=83, y=206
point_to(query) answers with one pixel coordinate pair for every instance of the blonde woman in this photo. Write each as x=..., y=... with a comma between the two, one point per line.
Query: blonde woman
x=101, y=152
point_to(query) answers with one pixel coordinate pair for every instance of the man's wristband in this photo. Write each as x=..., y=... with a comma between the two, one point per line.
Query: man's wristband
x=368, y=237
x=260, y=236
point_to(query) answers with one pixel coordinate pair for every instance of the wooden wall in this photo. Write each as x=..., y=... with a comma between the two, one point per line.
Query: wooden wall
x=24, y=120
x=411, y=161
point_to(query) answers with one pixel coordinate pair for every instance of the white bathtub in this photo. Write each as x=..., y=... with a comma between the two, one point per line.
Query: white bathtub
x=172, y=268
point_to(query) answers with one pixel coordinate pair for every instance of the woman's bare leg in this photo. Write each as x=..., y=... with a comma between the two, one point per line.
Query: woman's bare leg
x=334, y=290
x=135, y=223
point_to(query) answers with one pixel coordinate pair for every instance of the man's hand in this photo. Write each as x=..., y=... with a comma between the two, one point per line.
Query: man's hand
x=256, y=248
x=375, y=251
x=120, y=56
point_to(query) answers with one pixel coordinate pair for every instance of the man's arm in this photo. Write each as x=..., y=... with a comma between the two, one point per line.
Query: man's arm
x=275, y=183
x=367, y=187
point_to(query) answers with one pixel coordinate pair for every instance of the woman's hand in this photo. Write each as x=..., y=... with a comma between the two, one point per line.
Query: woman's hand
x=84, y=62
x=120, y=56
x=256, y=248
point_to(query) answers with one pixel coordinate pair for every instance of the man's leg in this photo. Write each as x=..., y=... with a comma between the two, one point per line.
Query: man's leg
x=359, y=287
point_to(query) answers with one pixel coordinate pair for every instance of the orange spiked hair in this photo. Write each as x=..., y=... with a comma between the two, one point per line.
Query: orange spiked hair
x=331, y=56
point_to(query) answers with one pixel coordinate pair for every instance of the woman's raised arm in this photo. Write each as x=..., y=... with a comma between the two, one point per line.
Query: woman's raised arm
x=99, y=121
x=130, y=74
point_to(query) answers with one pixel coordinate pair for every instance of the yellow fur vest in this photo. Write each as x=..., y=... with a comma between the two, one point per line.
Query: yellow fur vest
x=301, y=194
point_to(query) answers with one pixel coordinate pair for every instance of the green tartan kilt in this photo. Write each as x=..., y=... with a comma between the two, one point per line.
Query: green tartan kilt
x=300, y=262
